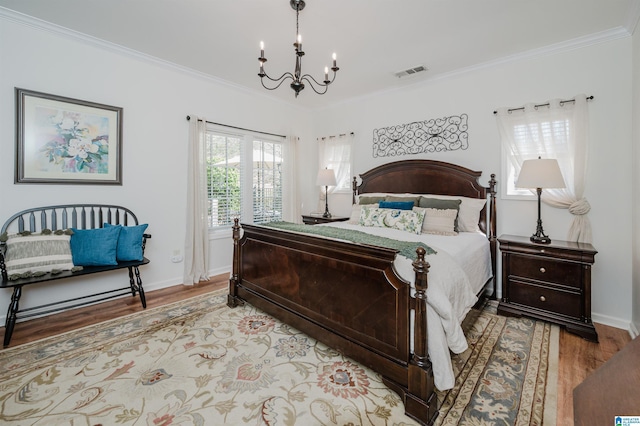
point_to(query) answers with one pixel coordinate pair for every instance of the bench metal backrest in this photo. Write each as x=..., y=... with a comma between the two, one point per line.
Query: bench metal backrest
x=79, y=216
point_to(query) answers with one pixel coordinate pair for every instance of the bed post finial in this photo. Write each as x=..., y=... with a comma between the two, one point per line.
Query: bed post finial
x=354, y=190
x=234, y=279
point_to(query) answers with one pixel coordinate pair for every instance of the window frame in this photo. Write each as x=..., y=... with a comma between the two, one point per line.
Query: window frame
x=508, y=190
x=248, y=138
x=343, y=186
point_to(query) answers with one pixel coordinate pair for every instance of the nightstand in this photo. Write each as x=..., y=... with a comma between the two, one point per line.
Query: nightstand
x=313, y=220
x=550, y=282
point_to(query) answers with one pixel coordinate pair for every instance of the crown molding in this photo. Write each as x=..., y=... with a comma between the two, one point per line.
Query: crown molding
x=553, y=49
x=633, y=17
x=41, y=25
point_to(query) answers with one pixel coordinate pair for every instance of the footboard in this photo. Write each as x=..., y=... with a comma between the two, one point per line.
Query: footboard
x=345, y=295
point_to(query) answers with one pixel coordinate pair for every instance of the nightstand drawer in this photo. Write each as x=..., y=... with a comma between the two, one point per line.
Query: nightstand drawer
x=549, y=299
x=544, y=269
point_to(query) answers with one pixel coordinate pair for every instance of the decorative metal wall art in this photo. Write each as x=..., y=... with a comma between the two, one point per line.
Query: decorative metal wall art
x=435, y=135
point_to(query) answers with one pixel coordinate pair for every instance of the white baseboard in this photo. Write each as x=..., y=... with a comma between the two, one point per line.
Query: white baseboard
x=614, y=322
x=633, y=330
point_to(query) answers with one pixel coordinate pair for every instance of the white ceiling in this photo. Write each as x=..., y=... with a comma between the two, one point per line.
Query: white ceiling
x=372, y=38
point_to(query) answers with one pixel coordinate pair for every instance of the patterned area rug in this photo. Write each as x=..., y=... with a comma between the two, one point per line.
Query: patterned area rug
x=198, y=362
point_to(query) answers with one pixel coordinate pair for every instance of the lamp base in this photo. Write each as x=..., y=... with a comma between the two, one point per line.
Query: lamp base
x=540, y=239
x=326, y=214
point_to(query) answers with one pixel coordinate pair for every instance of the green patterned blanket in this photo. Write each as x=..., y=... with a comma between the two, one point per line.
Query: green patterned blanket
x=405, y=248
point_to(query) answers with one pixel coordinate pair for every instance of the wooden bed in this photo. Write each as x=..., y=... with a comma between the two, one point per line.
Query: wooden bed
x=349, y=296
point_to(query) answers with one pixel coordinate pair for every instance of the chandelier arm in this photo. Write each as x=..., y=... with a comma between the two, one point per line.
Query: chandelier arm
x=282, y=77
x=309, y=76
x=311, y=80
x=280, y=80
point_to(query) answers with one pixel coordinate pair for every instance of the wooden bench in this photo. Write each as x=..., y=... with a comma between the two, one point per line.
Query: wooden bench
x=79, y=216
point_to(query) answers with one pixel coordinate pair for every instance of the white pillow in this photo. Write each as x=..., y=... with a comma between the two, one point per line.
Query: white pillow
x=404, y=220
x=469, y=213
x=439, y=221
x=355, y=214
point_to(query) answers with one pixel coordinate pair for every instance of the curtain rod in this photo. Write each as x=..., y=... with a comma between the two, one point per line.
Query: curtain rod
x=547, y=104
x=239, y=128
x=335, y=136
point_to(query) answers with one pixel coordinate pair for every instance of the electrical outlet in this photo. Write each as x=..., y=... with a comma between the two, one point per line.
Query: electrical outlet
x=176, y=256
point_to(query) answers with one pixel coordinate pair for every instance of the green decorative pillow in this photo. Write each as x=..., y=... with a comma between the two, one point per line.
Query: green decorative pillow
x=403, y=198
x=439, y=203
x=94, y=247
x=129, y=242
x=366, y=199
x=36, y=254
x=404, y=220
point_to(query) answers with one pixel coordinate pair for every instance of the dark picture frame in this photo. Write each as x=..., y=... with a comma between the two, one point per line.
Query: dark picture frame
x=61, y=140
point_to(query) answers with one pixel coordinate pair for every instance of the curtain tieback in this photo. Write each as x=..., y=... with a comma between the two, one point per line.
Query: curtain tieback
x=580, y=207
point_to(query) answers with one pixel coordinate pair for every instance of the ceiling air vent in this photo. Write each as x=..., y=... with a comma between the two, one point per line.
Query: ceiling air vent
x=410, y=71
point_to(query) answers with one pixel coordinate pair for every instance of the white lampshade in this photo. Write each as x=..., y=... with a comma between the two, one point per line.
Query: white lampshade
x=326, y=177
x=540, y=173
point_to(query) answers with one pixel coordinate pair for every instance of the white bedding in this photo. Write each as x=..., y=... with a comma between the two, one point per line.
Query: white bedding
x=458, y=271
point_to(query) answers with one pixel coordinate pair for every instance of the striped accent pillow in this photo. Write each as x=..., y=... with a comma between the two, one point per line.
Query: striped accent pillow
x=28, y=254
x=439, y=221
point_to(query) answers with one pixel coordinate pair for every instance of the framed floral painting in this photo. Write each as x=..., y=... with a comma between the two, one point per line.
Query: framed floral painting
x=67, y=141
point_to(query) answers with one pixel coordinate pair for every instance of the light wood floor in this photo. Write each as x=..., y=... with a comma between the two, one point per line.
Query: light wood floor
x=578, y=357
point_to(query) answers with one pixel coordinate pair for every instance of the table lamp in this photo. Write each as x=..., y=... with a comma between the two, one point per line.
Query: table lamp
x=540, y=173
x=326, y=178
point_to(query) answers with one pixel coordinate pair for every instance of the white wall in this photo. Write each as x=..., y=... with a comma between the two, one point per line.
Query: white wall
x=602, y=70
x=636, y=183
x=156, y=99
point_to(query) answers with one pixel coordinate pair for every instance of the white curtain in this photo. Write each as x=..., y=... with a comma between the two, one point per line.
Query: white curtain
x=196, y=252
x=558, y=131
x=334, y=152
x=291, y=197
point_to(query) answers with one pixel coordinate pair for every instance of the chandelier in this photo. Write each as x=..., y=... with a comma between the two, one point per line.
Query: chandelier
x=297, y=78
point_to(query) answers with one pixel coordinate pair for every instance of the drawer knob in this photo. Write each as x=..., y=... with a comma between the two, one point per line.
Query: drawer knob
x=543, y=270
x=543, y=299
x=541, y=250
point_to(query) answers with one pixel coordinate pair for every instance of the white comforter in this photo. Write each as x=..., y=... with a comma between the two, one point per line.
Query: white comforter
x=458, y=271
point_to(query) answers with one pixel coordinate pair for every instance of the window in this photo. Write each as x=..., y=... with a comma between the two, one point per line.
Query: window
x=267, y=181
x=545, y=139
x=244, y=177
x=533, y=132
x=335, y=154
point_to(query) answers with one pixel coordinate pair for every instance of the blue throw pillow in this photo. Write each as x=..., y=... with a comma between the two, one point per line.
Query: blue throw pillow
x=93, y=247
x=129, y=241
x=398, y=205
